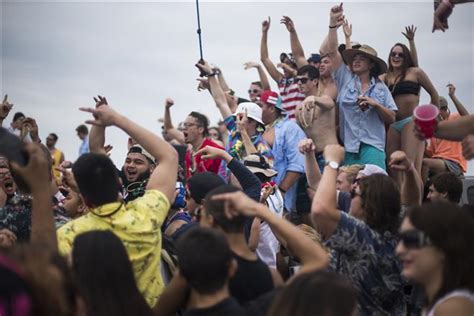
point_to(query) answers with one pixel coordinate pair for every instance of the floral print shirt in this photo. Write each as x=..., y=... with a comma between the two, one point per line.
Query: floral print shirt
x=367, y=259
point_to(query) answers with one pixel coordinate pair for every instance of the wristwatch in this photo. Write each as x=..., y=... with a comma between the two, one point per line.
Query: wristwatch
x=332, y=164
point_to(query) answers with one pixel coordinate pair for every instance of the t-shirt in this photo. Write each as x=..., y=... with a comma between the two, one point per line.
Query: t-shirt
x=138, y=225
x=268, y=244
x=291, y=96
x=367, y=259
x=228, y=307
x=446, y=149
x=200, y=165
x=252, y=279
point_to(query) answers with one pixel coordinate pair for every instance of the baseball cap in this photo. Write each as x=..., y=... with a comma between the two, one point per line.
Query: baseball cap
x=139, y=149
x=315, y=58
x=272, y=98
x=200, y=184
x=370, y=169
x=253, y=111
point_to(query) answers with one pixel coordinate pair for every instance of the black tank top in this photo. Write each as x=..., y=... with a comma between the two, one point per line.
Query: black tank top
x=252, y=279
x=405, y=87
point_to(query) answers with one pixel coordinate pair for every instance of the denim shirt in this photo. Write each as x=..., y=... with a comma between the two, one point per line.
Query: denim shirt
x=84, y=149
x=357, y=126
x=286, y=156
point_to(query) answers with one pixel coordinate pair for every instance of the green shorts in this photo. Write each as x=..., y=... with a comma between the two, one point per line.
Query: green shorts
x=367, y=155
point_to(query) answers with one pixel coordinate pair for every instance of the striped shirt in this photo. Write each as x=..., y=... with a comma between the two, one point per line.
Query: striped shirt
x=290, y=95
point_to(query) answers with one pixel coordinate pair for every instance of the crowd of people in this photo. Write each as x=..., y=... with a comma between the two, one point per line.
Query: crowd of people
x=322, y=198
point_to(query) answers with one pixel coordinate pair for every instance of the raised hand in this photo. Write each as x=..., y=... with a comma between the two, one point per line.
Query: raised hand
x=203, y=84
x=100, y=100
x=410, y=32
x=169, y=103
x=306, y=146
x=251, y=64
x=204, y=67
x=238, y=203
x=336, y=16
x=5, y=107
x=290, y=26
x=210, y=152
x=451, y=89
x=36, y=173
x=347, y=28
x=31, y=125
x=266, y=25
x=400, y=162
x=241, y=121
x=104, y=115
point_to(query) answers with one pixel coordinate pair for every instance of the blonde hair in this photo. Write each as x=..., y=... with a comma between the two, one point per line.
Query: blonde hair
x=351, y=170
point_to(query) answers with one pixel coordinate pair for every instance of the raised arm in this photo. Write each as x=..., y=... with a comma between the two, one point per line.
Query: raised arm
x=97, y=133
x=410, y=36
x=168, y=123
x=164, y=175
x=216, y=90
x=5, y=109
x=457, y=129
x=459, y=106
x=264, y=57
x=37, y=177
x=329, y=45
x=296, y=48
x=313, y=175
x=412, y=184
x=325, y=214
x=221, y=78
x=426, y=83
x=347, y=28
x=261, y=74
x=310, y=253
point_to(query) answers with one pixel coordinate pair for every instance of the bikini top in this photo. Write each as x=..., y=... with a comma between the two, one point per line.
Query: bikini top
x=404, y=87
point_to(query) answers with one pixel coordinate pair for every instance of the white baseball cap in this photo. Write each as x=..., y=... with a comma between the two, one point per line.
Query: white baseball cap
x=253, y=111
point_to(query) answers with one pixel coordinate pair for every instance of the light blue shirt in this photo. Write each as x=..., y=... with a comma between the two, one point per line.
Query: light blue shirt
x=286, y=156
x=84, y=149
x=357, y=126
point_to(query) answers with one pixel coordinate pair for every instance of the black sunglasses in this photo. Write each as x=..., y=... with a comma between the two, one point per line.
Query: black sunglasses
x=303, y=80
x=395, y=54
x=414, y=239
x=254, y=91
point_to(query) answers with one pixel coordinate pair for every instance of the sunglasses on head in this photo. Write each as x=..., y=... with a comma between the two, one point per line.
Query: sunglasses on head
x=303, y=80
x=414, y=239
x=254, y=91
x=395, y=54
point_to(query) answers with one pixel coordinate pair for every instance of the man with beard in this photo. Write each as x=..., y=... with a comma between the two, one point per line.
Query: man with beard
x=136, y=171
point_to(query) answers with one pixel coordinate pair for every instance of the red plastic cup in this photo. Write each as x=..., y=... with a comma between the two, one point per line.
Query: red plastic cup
x=425, y=118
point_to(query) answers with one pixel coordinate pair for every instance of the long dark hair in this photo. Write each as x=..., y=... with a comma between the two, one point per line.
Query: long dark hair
x=104, y=276
x=381, y=203
x=315, y=293
x=451, y=230
x=407, y=63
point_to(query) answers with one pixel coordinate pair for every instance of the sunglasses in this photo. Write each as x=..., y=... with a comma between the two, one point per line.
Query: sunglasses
x=395, y=54
x=303, y=80
x=254, y=91
x=414, y=239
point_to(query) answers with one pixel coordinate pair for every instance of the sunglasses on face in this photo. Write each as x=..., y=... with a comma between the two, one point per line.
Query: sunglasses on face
x=303, y=80
x=395, y=54
x=254, y=91
x=414, y=239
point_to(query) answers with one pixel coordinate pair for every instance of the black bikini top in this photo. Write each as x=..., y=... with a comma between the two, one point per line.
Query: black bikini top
x=404, y=87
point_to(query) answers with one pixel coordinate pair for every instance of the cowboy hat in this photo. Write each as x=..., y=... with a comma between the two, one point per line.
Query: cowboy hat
x=367, y=51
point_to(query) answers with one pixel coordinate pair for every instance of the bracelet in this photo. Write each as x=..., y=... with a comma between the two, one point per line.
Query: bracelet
x=332, y=26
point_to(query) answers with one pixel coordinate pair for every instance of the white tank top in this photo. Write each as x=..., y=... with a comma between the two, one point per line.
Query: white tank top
x=456, y=293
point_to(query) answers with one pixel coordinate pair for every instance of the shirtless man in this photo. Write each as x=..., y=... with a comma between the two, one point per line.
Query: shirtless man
x=317, y=114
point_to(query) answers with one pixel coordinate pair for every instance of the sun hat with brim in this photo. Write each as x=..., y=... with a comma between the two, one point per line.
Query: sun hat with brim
x=367, y=51
x=259, y=164
x=253, y=111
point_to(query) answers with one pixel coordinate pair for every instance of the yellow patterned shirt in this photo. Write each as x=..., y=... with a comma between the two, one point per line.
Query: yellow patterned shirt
x=138, y=225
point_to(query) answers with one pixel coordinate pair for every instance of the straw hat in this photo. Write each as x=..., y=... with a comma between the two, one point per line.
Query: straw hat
x=367, y=51
x=259, y=164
